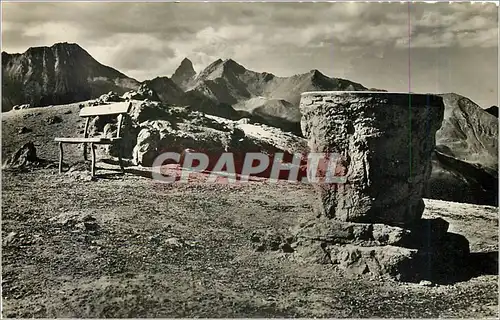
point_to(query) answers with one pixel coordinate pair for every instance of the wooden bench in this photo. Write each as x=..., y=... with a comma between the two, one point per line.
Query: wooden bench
x=118, y=109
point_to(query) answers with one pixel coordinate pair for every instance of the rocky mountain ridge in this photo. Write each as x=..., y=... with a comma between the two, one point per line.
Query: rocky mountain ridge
x=62, y=73
x=226, y=81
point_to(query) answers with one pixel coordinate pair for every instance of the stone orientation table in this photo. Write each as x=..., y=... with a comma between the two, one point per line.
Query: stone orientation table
x=372, y=222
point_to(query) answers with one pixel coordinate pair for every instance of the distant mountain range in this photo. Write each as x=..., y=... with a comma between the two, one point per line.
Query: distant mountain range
x=65, y=73
x=467, y=144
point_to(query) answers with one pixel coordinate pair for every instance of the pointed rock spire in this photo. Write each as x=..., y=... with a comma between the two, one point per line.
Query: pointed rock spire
x=184, y=74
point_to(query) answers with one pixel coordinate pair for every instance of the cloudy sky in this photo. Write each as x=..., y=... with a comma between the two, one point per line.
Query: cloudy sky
x=426, y=47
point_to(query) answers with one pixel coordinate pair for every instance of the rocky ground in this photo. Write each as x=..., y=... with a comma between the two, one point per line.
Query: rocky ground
x=127, y=246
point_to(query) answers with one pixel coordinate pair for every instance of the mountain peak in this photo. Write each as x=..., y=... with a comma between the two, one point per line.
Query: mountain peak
x=66, y=44
x=316, y=72
x=62, y=73
x=231, y=65
x=316, y=75
x=230, y=61
x=216, y=63
x=61, y=49
x=184, y=74
x=220, y=68
x=211, y=68
x=58, y=45
x=186, y=63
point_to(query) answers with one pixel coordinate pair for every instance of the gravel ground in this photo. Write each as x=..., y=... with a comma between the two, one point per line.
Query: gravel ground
x=127, y=246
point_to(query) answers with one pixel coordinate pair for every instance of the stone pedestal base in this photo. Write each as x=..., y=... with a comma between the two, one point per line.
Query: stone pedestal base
x=425, y=251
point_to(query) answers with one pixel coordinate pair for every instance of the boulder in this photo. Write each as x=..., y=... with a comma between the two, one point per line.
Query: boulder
x=175, y=129
x=22, y=106
x=146, y=149
x=147, y=110
x=98, y=123
x=363, y=234
x=352, y=260
x=244, y=121
x=152, y=128
x=142, y=93
x=110, y=97
x=54, y=120
x=128, y=134
x=23, y=130
x=24, y=156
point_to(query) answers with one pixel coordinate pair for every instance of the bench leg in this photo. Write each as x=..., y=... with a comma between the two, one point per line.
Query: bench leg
x=92, y=147
x=61, y=154
x=120, y=160
x=85, y=152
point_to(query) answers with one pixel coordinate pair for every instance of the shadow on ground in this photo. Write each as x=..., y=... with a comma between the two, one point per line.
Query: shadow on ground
x=474, y=265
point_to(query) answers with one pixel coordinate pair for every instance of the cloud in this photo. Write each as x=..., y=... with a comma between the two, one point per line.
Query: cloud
x=152, y=38
x=481, y=38
x=456, y=25
x=133, y=52
x=357, y=21
x=437, y=40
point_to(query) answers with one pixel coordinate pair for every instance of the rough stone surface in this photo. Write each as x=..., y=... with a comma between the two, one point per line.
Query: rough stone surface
x=23, y=130
x=54, y=120
x=24, y=156
x=145, y=150
x=142, y=93
x=426, y=251
x=163, y=128
x=372, y=223
x=386, y=141
x=147, y=110
x=153, y=127
x=22, y=106
x=351, y=259
x=363, y=234
x=109, y=97
x=271, y=240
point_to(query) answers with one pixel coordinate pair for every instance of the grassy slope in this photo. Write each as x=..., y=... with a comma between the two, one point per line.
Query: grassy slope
x=127, y=268
x=42, y=134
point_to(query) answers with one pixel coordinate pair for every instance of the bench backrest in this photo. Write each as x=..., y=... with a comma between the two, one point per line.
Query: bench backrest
x=119, y=108
x=108, y=109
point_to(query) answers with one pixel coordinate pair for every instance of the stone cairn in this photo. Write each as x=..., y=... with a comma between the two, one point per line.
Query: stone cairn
x=372, y=223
